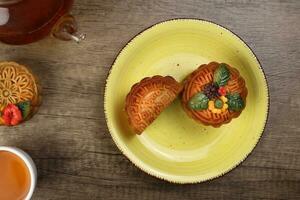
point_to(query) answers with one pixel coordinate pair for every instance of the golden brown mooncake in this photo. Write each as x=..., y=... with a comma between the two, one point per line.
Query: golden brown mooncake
x=148, y=98
x=201, y=82
x=19, y=93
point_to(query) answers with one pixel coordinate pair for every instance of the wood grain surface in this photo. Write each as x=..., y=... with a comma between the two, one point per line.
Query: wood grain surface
x=68, y=138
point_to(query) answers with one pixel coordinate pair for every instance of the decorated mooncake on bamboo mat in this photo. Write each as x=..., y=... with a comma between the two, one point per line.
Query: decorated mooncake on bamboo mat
x=148, y=98
x=214, y=94
x=19, y=94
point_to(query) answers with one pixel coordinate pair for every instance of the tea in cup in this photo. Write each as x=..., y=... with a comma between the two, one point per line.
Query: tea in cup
x=18, y=174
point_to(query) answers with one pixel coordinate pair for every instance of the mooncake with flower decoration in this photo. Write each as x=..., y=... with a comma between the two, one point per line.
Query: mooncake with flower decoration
x=19, y=94
x=214, y=94
x=148, y=98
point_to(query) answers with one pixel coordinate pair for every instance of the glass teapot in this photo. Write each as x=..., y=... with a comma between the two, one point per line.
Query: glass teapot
x=27, y=21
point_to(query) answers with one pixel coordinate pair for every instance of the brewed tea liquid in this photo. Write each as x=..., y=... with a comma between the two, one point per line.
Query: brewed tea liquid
x=14, y=177
x=30, y=20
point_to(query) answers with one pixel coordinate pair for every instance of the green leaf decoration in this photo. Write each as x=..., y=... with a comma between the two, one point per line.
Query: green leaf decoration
x=218, y=103
x=221, y=75
x=235, y=102
x=198, y=102
x=25, y=108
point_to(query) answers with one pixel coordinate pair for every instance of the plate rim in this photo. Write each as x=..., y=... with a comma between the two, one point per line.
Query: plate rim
x=149, y=171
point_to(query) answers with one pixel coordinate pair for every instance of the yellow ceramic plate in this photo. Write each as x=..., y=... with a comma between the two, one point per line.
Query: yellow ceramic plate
x=176, y=148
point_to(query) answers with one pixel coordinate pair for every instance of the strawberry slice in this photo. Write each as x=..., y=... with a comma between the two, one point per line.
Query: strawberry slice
x=11, y=115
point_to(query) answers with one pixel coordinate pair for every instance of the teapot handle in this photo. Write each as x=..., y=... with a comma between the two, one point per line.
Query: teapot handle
x=8, y=2
x=66, y=29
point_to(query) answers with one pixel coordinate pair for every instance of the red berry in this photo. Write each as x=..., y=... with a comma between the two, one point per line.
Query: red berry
x=11, y=115
x=222, y=91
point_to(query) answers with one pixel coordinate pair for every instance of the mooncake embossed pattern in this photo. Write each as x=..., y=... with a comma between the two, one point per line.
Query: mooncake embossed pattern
x=214, y=94
x=148, y=98
x=19, y=93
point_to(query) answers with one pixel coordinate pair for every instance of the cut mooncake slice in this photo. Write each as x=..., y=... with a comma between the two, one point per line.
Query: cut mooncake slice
x=148, y=98
x=214, y=94
x=19, y=93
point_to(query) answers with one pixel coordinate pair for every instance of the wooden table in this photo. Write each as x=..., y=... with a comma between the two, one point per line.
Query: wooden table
x=68, y=138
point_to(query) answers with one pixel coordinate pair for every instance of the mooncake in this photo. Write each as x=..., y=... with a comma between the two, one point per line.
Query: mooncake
x=19, y=94
x=214, y=94
x=148, y=98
